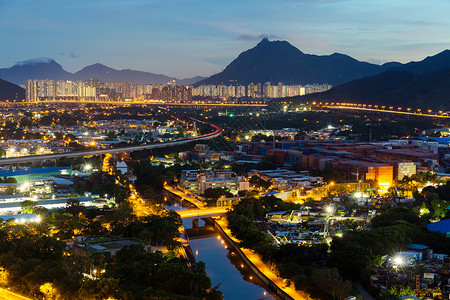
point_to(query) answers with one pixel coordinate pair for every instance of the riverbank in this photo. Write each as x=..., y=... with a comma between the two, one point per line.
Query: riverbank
x=276, y=284
x=222, y=264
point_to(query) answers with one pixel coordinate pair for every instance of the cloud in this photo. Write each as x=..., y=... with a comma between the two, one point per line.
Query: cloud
x=220, y=61
x=73, y=55
x=250, y=37
x=377, y=61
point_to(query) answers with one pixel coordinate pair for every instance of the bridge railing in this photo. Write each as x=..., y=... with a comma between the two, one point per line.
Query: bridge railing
x=227, y=202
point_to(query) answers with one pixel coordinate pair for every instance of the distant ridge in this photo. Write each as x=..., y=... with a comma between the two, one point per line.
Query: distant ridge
x=47, y=68
x=40, y=68
x=107, y=74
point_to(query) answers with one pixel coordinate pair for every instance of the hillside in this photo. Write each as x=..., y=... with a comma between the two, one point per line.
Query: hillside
x=431, y=90
x=12, y=92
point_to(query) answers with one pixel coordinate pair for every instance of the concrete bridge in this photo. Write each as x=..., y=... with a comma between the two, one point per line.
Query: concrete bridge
x=203, y=212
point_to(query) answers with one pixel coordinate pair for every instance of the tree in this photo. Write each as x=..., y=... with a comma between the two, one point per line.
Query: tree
x=398, y=291
x=103, y=288
x=10, y=180
x=216, y=193
x=11, y=190
x=350, y=224
x=393, y=215
x=40, y=210
x=28, y=206
x=49, y=291
x=110, y=136
x=120, y=193
x=372, y=183
x=4, y=277
x=329, y=284
x=260, y=183
x=439, y=207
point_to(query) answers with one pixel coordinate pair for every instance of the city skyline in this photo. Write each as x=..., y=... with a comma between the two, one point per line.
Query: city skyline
x=200, y=38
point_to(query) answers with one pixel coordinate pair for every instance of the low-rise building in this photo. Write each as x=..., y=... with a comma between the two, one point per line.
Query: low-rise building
x=199, y=181
x=106, y=245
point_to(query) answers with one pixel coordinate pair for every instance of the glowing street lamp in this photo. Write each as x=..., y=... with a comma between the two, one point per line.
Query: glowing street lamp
x=24, y=186
x=398, y=260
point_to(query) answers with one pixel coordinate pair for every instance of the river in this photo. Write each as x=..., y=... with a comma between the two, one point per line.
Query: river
x=223, y=266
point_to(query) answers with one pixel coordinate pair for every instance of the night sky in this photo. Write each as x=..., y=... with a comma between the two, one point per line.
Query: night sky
x=197, y=37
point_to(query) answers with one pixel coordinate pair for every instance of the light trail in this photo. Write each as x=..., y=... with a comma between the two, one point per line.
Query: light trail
x=148, y=102
x=387, y=111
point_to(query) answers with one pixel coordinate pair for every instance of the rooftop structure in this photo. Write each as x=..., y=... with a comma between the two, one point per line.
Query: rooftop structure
x=104, y=245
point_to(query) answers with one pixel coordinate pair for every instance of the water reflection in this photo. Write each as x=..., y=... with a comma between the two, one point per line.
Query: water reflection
x=223, y=266
x=173, y=205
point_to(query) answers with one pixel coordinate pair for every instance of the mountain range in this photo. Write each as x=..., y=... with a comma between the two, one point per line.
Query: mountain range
x=46, y=68
x=279, y=61
x=268, y=61
x=425, y=82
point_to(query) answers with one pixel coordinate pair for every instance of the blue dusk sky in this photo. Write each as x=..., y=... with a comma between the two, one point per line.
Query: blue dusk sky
x=197, y=37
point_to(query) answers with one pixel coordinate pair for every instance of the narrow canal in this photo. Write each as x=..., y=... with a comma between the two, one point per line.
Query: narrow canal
x=223, y=266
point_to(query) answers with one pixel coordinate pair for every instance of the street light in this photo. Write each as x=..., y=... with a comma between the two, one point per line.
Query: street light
x=398, y=260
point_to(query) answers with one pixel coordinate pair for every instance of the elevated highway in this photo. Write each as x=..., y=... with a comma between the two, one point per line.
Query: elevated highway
x=363, y=107
x=34, y=158
x=193, y=103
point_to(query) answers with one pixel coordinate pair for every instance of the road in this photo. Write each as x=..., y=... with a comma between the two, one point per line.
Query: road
x=33, y=158
x=365, y=295
x=147, y=102
x=8, y=295
x=197, y=201
x=419, y=114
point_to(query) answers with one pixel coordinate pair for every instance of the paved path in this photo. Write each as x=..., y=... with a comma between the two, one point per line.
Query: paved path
x=362, y=291
x=8, y=295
